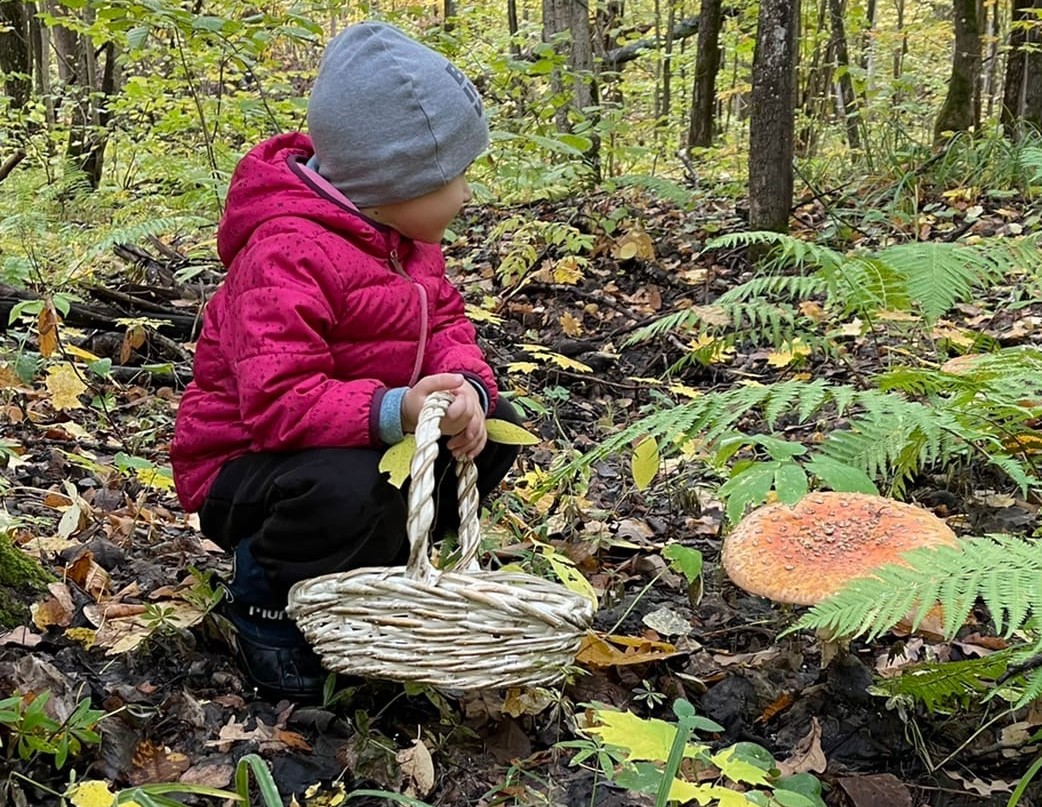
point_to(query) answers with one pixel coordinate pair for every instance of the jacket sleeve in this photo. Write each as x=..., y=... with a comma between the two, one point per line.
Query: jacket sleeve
x=453, y=347
x=281, y=308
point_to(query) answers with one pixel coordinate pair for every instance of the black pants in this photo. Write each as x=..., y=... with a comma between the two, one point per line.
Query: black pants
x=324, y=510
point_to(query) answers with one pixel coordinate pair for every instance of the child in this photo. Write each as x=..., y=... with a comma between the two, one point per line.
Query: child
x=334, y=323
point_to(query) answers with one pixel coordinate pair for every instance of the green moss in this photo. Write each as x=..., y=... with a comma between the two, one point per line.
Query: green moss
x=21, y=579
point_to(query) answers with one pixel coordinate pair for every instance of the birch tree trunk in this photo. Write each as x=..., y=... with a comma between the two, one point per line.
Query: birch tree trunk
x=772, y=118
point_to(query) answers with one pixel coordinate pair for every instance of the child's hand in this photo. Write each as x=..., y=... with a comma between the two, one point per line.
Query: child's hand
x=465, y=419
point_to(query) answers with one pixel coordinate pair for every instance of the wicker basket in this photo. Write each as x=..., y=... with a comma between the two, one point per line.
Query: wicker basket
x=460, y=628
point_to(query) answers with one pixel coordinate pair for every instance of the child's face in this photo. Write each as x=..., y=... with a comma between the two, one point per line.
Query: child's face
x=425, y=217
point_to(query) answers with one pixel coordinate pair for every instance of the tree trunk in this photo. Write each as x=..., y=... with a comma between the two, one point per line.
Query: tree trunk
x=707, y=65
x=959, y=112
x=847, y=97
x=773, y=113
x=512, y=27
x=566, y=21
x=1022, y=68
x=812, y=98
x=15, y=59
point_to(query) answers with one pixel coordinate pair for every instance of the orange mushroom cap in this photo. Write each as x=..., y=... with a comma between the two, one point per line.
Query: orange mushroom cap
x=807, y=552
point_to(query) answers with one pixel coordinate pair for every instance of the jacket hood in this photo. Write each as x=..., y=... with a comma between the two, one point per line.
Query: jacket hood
x=271, y=181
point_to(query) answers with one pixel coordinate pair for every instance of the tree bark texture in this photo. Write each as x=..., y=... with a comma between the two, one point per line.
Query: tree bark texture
x=1021, y=94
x=15, y=55
x=568, y=20
x=959, y=111
x=847, y=97
x=773, y=116
x=707, y=66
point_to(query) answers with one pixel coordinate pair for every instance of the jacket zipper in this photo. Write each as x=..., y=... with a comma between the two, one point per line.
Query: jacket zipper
x=417, y=367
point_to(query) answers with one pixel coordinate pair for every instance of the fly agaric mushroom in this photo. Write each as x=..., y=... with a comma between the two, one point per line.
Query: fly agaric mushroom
x=807, y=552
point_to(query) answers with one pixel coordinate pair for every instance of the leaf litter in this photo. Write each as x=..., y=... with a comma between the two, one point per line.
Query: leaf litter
x=123, y=623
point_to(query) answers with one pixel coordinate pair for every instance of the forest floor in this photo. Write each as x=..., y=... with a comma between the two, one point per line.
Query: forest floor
x=85, y=491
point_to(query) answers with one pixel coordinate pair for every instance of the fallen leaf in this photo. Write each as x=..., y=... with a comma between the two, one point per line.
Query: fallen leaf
x=807, y=755
x=65, y=387
x=417, y=769
x=47, y=329
x=598, y=651
x=90, y=793
x=667, y=622
x=21, y=636
x=58, y=609
x=570, y=324
x=979, y=786
x=876, y=790
x=154, y=763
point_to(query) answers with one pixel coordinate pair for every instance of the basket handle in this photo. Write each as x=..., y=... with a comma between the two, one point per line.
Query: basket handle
x=421, y=495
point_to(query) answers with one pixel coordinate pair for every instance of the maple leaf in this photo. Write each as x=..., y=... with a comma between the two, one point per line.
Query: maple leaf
x=571, y=325
x=65, y=386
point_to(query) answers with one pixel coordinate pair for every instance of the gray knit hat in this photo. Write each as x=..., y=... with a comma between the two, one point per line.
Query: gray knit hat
x=390, y=119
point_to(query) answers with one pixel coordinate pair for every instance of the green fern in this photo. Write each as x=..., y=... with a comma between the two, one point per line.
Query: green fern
x=924, y=277
x=1004, y=571
x=940, y=687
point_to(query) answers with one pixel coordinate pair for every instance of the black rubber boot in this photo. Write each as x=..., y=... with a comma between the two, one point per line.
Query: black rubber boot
x=270, y=650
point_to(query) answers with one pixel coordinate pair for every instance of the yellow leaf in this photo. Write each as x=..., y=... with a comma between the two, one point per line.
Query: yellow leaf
x=714, y=350
x=155, y=478
x=570, y=364
x=478, y=314
x=568, y=271
x=598, y=651
x=397, y=459
x=80, y=353
x=787, y=355
x=570, y=577
x=91, y=793
x=626, y=251
x=645, y=462
x=523, y=367
x=507, y=433
x=685, y=390
x=644, y=739
x=64, y=386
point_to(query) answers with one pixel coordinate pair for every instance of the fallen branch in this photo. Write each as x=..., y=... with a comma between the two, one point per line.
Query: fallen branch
x=10, y=163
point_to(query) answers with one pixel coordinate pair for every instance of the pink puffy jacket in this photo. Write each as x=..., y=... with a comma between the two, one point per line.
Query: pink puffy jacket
x=321, y=312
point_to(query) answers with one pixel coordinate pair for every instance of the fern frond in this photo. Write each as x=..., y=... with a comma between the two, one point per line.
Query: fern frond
x=938, y=274
x=1004, y=571
x=941, y=687
x=788, y=252
x=785, y=287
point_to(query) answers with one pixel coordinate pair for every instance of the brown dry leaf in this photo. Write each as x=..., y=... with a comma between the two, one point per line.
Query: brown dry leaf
x=8, y=377
x=89, y=576
x=268, y=738
x=931, y=626
x=153, y=763
x=417, y=769
x=806, y=755
x=121, y=634
x=65, y=387
x=58, y=609
x=47, y=329
x=602, y=651
x=876, y=790
x=133, y=339
x=634, y=243
x=571, y=325
x=979, y=786
x=23, y=637
x=757, y=659
x=526, y=701
x=776, y=707
x=209, y=774
x=812, y=311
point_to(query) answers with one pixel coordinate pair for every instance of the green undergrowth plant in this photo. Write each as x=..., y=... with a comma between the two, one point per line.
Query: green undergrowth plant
x=527, y=242
x=29, y=730
x=1002, y=572
x=925, y=279
x=660, y=758
x=854, y=440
